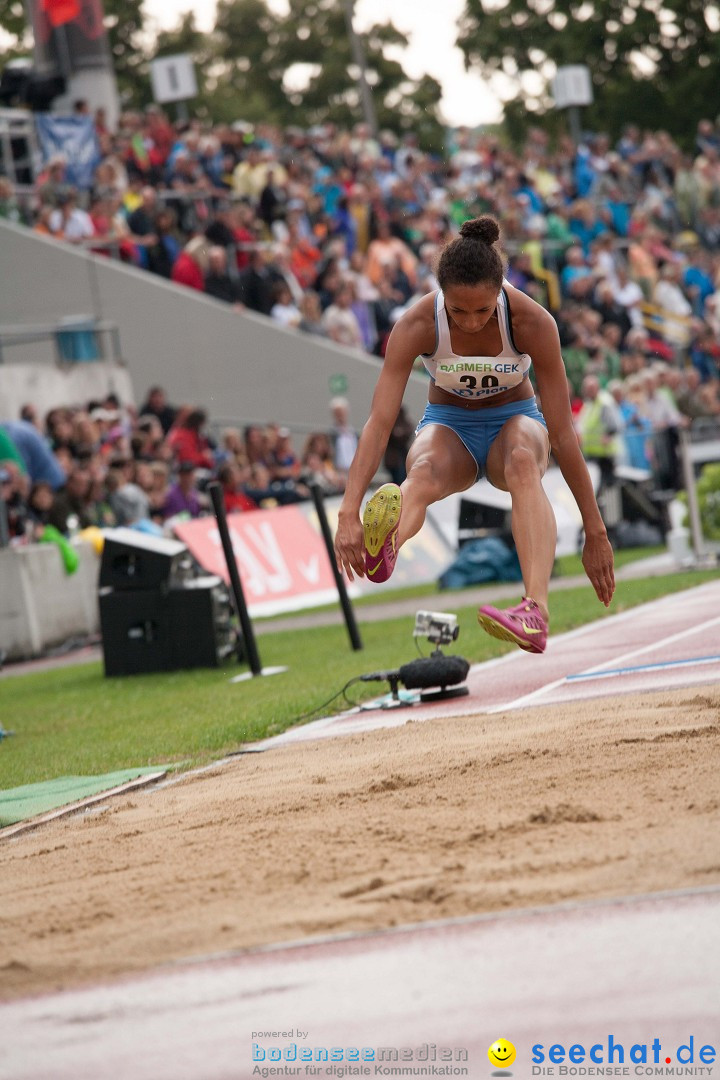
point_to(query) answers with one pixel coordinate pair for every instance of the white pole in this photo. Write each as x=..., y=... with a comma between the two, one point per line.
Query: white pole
x=698, y=540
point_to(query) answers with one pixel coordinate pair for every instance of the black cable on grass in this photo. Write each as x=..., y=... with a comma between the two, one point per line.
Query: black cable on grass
x=307, y=715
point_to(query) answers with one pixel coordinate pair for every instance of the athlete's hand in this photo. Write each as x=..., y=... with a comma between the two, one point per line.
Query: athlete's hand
x=350, y=546
x=597, y=558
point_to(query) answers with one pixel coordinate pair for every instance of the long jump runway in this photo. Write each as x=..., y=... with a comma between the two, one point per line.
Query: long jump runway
x=665, y=644
x=629, y=987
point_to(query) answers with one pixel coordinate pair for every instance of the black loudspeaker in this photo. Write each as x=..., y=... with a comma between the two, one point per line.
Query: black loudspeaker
x=165, y=630
x=136, y=560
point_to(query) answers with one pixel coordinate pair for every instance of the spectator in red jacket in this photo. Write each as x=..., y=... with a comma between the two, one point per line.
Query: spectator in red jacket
x=187, y=441
x=234, y=497
x=191, y=264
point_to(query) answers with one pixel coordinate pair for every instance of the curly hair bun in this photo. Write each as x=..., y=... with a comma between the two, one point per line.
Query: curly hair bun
x=483, y=229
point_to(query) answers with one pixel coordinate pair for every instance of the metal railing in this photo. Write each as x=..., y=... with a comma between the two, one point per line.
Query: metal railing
x=75, y=339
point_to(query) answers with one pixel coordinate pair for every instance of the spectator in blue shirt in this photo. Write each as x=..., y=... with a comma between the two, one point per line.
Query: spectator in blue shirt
x=39, y=460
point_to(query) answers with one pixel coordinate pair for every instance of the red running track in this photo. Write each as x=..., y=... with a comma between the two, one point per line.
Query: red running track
x=662, y=645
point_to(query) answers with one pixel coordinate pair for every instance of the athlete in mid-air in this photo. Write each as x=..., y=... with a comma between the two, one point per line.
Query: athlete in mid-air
x=478, y=338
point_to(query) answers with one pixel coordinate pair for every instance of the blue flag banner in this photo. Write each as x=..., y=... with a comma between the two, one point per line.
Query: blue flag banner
x=73, y=136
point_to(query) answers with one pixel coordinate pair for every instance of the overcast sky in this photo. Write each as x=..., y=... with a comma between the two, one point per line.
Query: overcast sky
x=430, y=26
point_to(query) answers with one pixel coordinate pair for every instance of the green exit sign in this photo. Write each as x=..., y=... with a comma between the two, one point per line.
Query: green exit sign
x=338, y=384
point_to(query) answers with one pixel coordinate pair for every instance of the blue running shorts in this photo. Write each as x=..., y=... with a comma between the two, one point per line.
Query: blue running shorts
x=478, y=428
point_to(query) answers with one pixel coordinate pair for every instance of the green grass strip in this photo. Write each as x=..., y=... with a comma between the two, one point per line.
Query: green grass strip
x=72, y=720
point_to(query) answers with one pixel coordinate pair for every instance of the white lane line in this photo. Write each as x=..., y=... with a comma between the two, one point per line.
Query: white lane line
x=661, y=665
x=618, y=661
x=526, y=699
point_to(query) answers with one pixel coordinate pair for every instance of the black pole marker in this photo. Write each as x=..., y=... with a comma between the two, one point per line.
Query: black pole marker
x=247, y=628
x=348, y=612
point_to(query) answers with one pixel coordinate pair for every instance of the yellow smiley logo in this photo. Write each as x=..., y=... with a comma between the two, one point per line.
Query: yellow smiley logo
x=501, y=1053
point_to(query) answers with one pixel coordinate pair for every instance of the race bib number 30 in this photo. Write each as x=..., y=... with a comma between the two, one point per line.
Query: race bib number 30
x=478, y=376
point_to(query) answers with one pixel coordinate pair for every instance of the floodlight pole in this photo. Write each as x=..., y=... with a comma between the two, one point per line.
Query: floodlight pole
x=360, y=59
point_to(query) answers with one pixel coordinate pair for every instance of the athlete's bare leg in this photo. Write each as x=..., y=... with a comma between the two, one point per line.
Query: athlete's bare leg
x=516, y=463
x=438, y=464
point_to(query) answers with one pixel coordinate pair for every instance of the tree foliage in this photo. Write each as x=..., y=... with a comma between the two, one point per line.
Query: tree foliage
x=125, y=24
x=653, y=62
x=16, y=37
x=298, y=69
x=256, y=64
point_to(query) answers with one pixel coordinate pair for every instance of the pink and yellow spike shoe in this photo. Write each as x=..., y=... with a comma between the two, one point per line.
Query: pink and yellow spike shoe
x=381, y=519
x=524, y=625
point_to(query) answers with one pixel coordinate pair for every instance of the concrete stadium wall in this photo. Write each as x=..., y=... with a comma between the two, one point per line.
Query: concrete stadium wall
x=42, y=605
x=240, y=367
x=49, y=387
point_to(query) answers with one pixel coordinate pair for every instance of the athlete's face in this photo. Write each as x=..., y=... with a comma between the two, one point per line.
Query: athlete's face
x=470, y=306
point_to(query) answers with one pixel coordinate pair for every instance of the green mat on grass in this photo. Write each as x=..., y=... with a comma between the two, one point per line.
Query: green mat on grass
x=20, y=803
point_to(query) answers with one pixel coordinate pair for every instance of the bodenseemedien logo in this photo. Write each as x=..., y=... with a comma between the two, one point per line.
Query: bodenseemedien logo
x=341, y=1062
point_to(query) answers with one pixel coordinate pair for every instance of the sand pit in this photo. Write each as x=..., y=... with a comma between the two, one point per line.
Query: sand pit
x=449, y=817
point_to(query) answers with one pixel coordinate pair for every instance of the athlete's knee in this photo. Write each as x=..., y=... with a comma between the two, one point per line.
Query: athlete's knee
x=521, y=466
x=424, y=474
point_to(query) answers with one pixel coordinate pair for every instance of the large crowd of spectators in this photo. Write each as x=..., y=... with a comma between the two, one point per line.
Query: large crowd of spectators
x=335, y=233
x=105, y=464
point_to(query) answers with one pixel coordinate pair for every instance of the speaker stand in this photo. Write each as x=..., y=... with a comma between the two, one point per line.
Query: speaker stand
x=445, y=693
x=247, y=675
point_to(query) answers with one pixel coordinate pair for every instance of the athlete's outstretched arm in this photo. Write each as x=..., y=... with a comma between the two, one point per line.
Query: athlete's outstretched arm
x=405, y=343
x=536, y=332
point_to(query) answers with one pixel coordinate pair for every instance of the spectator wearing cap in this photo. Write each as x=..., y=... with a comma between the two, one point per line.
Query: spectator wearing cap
x=183, y=497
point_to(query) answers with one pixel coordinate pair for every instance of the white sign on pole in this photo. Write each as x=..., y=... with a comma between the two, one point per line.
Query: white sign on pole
x=572, y=85
x=173, y=78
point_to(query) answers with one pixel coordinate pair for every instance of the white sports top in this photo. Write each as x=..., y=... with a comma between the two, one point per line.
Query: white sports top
x=475, y=376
